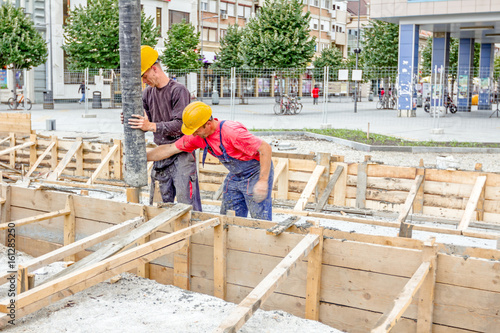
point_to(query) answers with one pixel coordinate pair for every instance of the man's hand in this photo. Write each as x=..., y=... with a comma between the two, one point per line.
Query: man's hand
x=260, y=191
x=141, y=122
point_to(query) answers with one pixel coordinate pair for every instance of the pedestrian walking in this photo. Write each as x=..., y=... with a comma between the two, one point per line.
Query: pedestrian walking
x=82, y=89
x=248, y=186
x=163, y=101
x=315, y=94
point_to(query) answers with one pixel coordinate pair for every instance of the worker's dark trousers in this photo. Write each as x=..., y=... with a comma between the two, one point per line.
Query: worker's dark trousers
x=178, y=179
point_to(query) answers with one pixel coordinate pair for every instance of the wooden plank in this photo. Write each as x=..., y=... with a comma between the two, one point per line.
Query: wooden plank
x=16, y=148
x=143, y=269
x=339, y=191
x=323, y=159
x=40, y=159
x=426, y=293
x=5, y=209
x=329, y=188
x=53, y=154
x=64, y=162
x=218, y=193
x=313, y=286
x=69, y=226
x=104, y=163
x=117, y=160
x=418, y=203
x=361, y=186
x=4, y=140
x=278, y=169
x=277, y=229
x=389, y=318
x=79, y=158
x=220, y=259
x=52, y=291
x=146, y=229
x=12, y=154
x=17, y=122
x=238, y=317
x=283, y=180
x=36, y=218
x=404, y=229
x=106, y=167
x=311, y=184
x=182, y=257
x=33, y=138
x=472, y=203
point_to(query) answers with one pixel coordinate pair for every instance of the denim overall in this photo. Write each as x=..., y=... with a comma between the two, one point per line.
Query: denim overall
x=239, y=183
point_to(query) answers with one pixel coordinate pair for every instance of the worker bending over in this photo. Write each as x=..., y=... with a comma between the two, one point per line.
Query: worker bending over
x=248, y=185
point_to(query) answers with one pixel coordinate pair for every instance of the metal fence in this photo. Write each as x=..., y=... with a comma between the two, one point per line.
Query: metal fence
x=249, y=95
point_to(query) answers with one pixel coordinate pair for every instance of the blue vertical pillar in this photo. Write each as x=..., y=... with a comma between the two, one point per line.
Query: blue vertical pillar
x=440, y=57
x=485, y=76
x=465, y=74
x=408, y=69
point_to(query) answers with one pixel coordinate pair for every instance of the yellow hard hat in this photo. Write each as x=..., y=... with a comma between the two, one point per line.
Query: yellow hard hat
x=195, y=115
x=148, y=57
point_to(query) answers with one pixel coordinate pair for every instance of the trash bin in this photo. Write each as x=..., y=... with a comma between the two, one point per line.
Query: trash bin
x=215, y=97
x=50, y=124
x=419, y=101
x=48, y=100
x=96, y=100
x=370, y=96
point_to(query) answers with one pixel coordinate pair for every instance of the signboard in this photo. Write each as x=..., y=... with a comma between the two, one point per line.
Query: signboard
x=343, y=74
x=3, y=79
x=357, y=75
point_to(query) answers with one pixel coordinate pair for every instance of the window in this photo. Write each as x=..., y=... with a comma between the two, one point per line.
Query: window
x=212, y=6
x=204, y=5
x=223, y=33
x=327, y=4
x=241, y=11
x=230, y=9
x=209, y=34
x=316, y=3
x=177, y=17
x=314, y=24
x=324, y=25
x=158, y=20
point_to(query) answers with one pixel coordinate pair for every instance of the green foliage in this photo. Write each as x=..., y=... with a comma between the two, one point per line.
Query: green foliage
x=278, y=37
x=181, y=48
x=229, y=54
x=381, y=41
x=329, y=57
x=92, y=35
x=21, y=45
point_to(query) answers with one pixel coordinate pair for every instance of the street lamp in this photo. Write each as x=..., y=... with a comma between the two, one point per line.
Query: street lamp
x=201, y=50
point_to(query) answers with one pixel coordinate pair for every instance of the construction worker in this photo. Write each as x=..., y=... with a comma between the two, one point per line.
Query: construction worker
x=163, y=102
x=248, y=186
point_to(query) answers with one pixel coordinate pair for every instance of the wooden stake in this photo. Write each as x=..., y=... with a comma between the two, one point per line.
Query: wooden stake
x=329, y=188
x=69, y=226
x=65, y=161
x=5, y=212
x=54, y=159
x=133, y=194
x=117, y=160
x=283, y=181
x=22, y=279
x=406, y=230
x=182, y=257
x=220, y=259
x=311, y=184
x=104, y=165
x=426, y=293
x=33, y=138
x=313, y=287
x=472, y=203
x=361, y=185
x=79, y=158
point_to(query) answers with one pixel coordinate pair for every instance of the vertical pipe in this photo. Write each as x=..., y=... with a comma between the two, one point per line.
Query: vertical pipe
x=130, y=65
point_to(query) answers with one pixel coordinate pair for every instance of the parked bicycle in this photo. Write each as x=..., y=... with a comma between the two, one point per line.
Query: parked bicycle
x=287, y=105
x=448, y=104
x=387, y=102
x=19, y=100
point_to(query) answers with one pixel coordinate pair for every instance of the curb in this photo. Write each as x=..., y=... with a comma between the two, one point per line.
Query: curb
x=400, y=149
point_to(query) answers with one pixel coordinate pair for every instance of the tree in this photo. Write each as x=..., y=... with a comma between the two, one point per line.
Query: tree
x=92, y=35
x=180, y=49
x=331, y=57
x=278, y=37
x=21, y=45
x=381, y=41
x=229, y=55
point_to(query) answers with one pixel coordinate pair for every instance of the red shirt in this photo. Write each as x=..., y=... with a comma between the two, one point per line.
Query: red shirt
x=236, y=139
x=315, y=92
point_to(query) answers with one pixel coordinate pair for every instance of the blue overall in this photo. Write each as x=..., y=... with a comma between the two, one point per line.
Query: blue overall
x=238, y=185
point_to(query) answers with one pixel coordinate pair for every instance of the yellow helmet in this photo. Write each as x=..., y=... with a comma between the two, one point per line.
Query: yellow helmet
x=148, y=57
x=194, y=116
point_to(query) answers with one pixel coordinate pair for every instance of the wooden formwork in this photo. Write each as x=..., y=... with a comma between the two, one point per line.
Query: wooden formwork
x=352, y=282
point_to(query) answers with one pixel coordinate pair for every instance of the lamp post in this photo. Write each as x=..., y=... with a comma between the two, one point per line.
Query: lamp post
x=202, y=81
x=357, y=51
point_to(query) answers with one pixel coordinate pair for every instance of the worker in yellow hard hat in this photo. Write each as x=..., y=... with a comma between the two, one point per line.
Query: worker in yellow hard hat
x=163, y=101
x=248, y=186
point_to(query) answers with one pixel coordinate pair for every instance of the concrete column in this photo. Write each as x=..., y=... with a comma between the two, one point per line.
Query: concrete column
x=440, y=57
x=408, y=69
x=485, y=76
x=465, y=74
